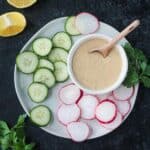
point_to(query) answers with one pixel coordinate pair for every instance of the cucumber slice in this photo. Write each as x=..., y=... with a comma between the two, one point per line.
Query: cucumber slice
x=44, y=63
x=27, y=62
x=42, y=46
x=58, y=54
x=40, y=115
x=45, y=76
x=61, y=73
x=70, y=27
x=62, y=40
x=37, y=92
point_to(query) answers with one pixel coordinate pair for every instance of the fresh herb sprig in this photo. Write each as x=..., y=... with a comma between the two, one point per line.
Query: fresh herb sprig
x=14, y=138
x=139, y=67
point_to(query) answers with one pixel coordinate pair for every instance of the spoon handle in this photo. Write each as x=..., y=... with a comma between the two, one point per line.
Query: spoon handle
x=121, y=35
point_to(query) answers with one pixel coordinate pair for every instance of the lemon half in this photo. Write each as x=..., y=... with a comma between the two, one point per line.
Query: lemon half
x=21, y=3
x=12, y=23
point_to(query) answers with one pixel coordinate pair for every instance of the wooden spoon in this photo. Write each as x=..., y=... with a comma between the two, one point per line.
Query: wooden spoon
x=107, y=49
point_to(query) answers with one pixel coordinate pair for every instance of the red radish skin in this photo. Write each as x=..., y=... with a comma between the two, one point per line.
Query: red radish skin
x=82, y=93
x=71, y=97
x=115, y=123
x=124, y=107
x=90, y=132
x=88, y=103
x=114, y=114
x=68, y=111
x=82, y=26
x=119, y=93
x=77, y=125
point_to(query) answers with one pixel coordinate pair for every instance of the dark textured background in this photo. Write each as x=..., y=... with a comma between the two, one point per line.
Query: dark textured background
x=134, y=133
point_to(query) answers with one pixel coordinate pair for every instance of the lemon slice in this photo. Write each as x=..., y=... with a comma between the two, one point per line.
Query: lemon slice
x=12, y=23
x=21, y=3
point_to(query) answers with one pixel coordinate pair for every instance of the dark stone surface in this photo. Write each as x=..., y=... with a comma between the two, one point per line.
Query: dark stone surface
x=134, y=133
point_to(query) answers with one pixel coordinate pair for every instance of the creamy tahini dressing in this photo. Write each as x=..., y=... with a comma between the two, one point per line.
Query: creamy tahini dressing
x=92, y=70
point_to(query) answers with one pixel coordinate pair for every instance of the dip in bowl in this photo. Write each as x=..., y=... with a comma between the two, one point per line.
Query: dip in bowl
x=92, y=72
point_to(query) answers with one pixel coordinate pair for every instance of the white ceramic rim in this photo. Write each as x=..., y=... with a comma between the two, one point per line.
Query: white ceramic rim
x=122, y=73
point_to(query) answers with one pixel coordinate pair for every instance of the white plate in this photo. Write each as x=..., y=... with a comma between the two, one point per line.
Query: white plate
x=22, y=81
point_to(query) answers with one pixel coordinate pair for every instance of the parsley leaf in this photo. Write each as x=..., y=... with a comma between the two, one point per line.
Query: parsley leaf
x=143, y=66
x=139, y=69
x=131, y=79
x=20, y=122
x=14, y=138
x=146, y=81
x=4, y=128
x=5, y=142
x=29, y=146
x=147, y=71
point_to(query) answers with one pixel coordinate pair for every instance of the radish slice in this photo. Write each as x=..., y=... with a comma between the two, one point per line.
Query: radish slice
x=78, y=131
x=104, y=96
x=115, y=123
x=106, y=111
x=86, y=23
x=123, y=107
x=123, y=93
x=88, y=105
x=68, y=113
x=69, y=94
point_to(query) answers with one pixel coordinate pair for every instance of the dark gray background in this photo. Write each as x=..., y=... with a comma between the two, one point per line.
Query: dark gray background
x=134, y=133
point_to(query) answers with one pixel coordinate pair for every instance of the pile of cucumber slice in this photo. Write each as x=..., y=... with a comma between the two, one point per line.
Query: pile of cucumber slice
x=47, y=61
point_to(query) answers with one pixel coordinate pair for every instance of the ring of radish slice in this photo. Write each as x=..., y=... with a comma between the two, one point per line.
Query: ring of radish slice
x=68, y=113
x=86, y=23
x=104, y=96
x=123, y=93
x=115, y=123
x=106, y=111
x=123, y=107
x=70, y=94
x=88, y=104
x=78, y=131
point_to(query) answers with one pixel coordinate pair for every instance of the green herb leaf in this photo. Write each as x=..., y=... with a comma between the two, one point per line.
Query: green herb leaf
x=146, y=81
x=5, y=142
x=131, y=79
x=143, y=66
x=129, y=51
x=138, y=70
x=147, y=70
x=19, y=127
x=4, y=129
x=29, y=146
x=20, y=122
x=14, y=138
x=140, y=55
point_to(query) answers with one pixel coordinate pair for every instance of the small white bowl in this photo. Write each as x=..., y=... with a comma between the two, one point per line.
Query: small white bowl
x=121, y=76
